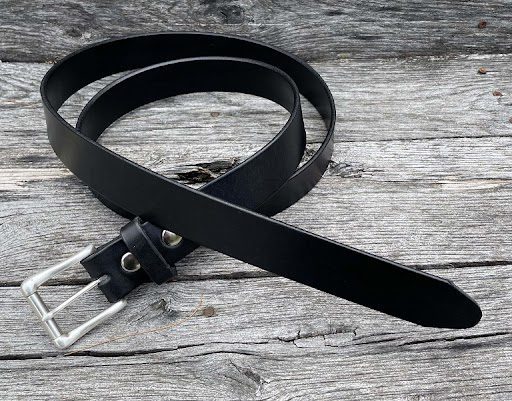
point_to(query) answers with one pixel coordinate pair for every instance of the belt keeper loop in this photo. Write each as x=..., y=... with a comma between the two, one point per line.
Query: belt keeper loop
x=141, y=247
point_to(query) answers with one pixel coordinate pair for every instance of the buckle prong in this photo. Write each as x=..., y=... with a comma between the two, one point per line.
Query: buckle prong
x=29, y=289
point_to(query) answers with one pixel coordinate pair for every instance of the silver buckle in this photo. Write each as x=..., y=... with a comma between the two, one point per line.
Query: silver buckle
x=29, y=289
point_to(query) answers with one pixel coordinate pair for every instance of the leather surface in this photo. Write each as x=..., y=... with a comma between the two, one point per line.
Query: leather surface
x=231, y=213
x=146, y=253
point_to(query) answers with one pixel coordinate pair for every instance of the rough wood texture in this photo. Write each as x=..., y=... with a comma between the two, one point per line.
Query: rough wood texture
x=316, y=30
x=420, y=174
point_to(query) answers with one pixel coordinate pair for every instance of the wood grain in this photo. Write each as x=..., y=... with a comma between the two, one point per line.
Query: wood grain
x=275, y=371
x=420, y=174
x=248, y=311
x=320, y=30
x=418, y=98
x=440, y=198
x=298, y=342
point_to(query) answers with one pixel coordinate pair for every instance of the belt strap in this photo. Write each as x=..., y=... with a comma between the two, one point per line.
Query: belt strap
x=231, y=213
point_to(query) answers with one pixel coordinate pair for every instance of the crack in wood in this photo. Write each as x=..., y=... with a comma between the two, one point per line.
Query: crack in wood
x=257, y=274
x=205, y=172
x=253, y=375
x=456, y=338
x=332, y=330
x=345, y=169
x=242, y=275
x=462, y=265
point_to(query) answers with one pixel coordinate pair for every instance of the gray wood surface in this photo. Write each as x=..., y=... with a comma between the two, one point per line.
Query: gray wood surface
x=420, y=174
x=328, y=29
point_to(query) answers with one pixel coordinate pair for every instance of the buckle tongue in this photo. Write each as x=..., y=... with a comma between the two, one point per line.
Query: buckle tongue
x=29, y=289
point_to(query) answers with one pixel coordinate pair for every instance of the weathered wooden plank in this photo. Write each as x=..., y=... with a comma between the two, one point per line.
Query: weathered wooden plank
x=451, y=217
x=448, y=371
x=376, y=100
x=268, y=338
x=438, y=197
x=41, y=31
x=370, y=198
x=249, y=311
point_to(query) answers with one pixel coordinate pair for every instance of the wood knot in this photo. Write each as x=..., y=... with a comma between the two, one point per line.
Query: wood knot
x=209, y=311
x=74, y=32
x=232, y=14
x=482, y=24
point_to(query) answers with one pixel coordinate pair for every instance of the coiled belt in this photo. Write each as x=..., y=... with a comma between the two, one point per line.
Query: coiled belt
x=231, y=213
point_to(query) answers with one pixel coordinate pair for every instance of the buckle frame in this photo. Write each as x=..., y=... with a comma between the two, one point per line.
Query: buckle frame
x=29, y=289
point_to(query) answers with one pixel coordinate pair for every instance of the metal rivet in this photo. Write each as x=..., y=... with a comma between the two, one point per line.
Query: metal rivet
x=130, y=263
x=170, y=239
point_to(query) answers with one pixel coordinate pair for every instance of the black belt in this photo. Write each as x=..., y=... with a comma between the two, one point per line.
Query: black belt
x=230, y=213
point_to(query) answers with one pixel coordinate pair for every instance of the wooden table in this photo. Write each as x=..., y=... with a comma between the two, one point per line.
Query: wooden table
x=421, y=174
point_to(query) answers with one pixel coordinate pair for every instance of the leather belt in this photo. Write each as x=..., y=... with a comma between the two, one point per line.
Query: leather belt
x=231, y=213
